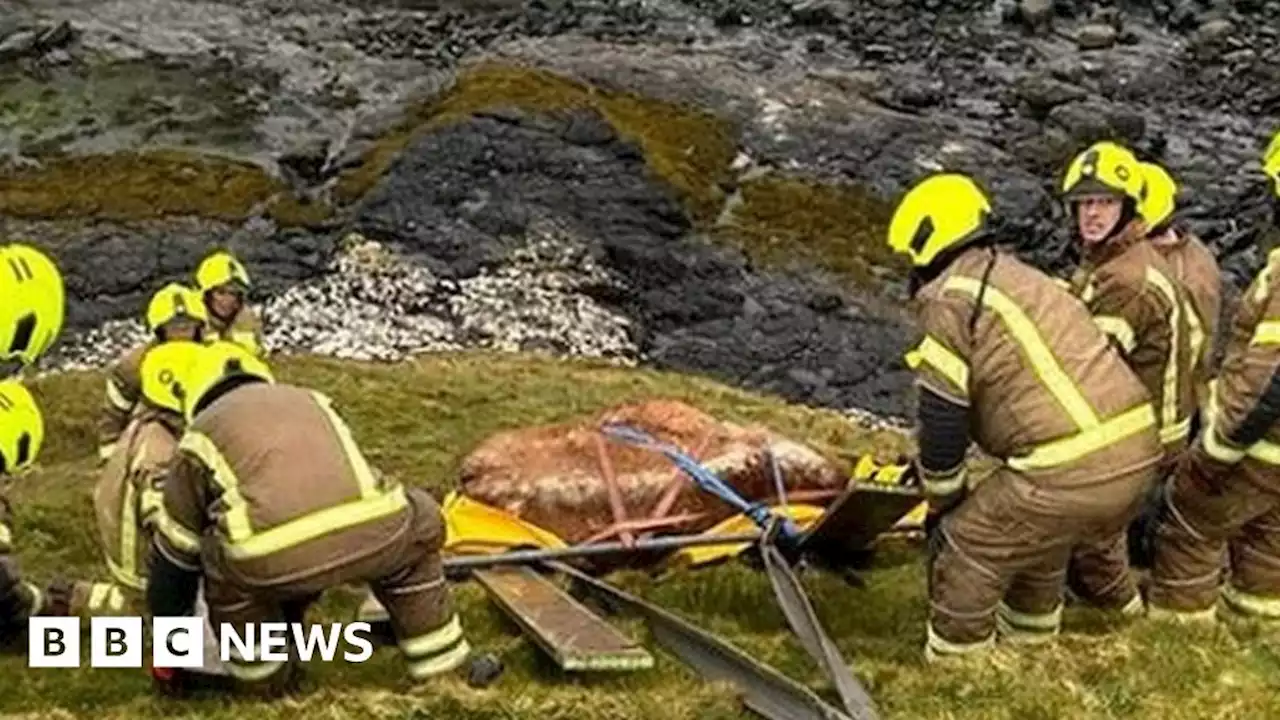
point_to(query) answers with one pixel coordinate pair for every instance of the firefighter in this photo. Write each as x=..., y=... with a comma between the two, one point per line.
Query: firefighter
x=176, y=312
x=130, y=488
x=1011, y=361
x=1195, y=269
x=34, y=305
x=21, y=436
x=225, y=284
x=270, y=502
x=1227, y=488
x=1135, y=299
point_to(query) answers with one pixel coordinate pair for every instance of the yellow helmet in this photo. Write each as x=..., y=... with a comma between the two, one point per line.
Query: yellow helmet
x=1271, y=162
x=35, y=303
x=175, y=301
x=21, y=427
x=1159, y=195
x=1104, y=168
x=221, y=268
x=213, y=363
x=940, y=213
x=163, y=369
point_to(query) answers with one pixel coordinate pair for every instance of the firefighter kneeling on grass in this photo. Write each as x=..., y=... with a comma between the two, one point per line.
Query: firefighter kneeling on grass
x=270, y=502
x=1010, y=356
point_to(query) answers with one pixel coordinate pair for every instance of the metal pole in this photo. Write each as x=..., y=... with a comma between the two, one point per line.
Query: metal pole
x=525, y=557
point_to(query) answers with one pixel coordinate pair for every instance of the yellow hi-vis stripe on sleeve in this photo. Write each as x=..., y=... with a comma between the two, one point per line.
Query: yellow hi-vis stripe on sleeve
x=6, y=538
x=941, y=358
x=1118, y=328
x=1041, y=358
x=948, y=484
x=1197, y=334
x=1267, y=333
x=244, y=543
x=1169, y=399
x=127, y=571
x=182, y=539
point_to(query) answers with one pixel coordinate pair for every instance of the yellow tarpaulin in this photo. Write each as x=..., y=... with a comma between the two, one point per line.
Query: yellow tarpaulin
x=473, y=528
x=804, y=517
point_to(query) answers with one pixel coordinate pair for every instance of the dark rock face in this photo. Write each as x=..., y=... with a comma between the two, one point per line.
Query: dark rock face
x=461, y=197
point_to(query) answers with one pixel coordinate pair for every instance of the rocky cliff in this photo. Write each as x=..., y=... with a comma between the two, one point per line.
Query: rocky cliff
x=697, y=185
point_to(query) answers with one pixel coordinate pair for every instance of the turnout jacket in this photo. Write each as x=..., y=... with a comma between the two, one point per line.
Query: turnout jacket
x=244, y=329
x=123, y=393
x=269, y=483
x=129, y=493
x=1244, y=399
x=1196, y=269
x=1013, y=361
x=1134, y=299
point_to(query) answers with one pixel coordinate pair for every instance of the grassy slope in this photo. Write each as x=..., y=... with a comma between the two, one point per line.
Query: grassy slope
x=418, y=420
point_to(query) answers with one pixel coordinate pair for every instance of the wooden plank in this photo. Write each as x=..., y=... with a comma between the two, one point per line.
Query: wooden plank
x=854, y=521
x=564, y=628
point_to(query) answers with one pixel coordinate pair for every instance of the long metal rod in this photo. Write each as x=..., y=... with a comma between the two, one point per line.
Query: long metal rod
x=525, y=557
x=764, y=690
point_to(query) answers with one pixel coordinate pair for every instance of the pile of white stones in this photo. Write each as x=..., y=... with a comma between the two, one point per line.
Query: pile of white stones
x=376, y=305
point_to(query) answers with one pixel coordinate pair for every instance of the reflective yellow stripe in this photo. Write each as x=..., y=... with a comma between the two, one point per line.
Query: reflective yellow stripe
x=1182, y=616
x=1267, y=333
x=6, y=537
x=1093, y=439
x=1250, y=604
x=248, y=671
x=1197, y=334
x=105, y=597
x=182, y=539
x=37, y=598
x=235, y=520
x=1045, y=365
x=1176, y=432
x=117, y=398
x=106, y=451
x=365, y=478
x=1029, y=621
x=1213, y=444
x=945, y=485
x=1118, y=328
x=952, y=366
x=1169, y=398
x=428, y=667
x=435, y=641
x=937, y=646
x=316, y=524
x=131, y=581
x=128, y=536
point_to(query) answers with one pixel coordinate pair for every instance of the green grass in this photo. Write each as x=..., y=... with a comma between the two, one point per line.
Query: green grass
x=418, y=420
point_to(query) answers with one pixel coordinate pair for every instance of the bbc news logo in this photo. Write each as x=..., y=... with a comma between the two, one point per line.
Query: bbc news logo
x=179, y=642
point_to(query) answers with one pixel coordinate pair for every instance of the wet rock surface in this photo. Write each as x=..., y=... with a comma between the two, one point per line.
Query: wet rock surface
x=516, y=227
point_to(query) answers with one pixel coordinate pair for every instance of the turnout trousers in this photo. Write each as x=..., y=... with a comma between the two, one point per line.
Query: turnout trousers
x=406, y=576
x=1001, y=563
x=1232, y=521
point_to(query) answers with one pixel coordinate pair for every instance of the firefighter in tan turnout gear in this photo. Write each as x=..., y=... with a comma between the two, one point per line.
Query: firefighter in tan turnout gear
x=176, y=312
x=130, y=487
x=1013, y=362
x=224, y=283
x=1135, y=300
x=271, y=502
x=1227, y=489
x=21, y=436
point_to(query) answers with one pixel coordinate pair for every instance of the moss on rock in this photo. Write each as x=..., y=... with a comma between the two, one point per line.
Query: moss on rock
x=781, y=221
x=143, y=185
x=689, y=149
